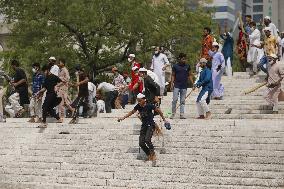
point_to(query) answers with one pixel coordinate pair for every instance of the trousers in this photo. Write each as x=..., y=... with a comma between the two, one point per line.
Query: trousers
x=202, y=102
x=145, y=138
x=50, y=102
x=35, y=107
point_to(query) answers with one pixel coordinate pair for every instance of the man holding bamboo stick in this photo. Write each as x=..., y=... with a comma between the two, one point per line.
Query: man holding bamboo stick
x=203, y=99
x=274, y=94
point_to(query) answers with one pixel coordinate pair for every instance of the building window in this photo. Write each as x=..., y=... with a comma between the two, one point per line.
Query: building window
x=257, y=1
x=258, y=8
x=224, y=9
x=258, y=17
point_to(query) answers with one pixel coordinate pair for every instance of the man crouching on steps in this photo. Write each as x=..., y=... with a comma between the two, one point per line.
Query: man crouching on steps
x=148, y=124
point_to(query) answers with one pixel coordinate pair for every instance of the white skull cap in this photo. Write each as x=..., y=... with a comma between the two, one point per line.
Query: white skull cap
x=267, y=17
x=52, y=58
x=267, y=29
x=142, y=70
x=140, y=96
x=134, y=68
x=215, y=43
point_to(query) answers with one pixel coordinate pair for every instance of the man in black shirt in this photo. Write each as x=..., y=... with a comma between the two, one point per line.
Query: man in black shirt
x=151, y=89
x=51, y=100
x=83, y=93
x=20, y=83
x=148, y=124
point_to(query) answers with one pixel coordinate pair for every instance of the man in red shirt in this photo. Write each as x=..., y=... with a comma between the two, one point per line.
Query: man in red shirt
x=134, y=62
x=135, y=85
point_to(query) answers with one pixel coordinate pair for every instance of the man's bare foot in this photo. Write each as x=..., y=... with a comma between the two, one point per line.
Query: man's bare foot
x=201, y=117
x=152, y=156
x=72, y=112
x=42, y=125
x=20, y=112
x=39, y=120
x=208, y=115
x=32, y=120
x=60, y=120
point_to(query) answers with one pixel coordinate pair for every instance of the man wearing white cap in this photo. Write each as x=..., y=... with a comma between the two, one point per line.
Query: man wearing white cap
x=148, y=124
x=135, y=65
x=268, y=23
x=159, y=64
x=254, y=53
x=270, y=47
x=110, y=93
x=206, y=84
x=54, y=68
x=218, y=66
x=151, y=89
x=274, y=94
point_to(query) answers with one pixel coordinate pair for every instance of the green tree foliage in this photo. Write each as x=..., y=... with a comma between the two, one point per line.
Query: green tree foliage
x=101, y=33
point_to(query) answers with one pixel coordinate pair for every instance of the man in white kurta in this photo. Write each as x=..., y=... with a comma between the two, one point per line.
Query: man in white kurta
x=254, y=53
x=159, y=64
x=268, y=23
x=217, y=69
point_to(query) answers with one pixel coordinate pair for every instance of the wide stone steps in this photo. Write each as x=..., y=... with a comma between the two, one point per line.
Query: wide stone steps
x=240, y=150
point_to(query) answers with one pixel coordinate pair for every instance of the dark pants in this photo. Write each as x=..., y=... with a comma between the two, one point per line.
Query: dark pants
x=81, y=101
x=110, y=100
x=145, y=137
x=50, y=101
x=24, y=96
x=124, y=100
x=133, y=96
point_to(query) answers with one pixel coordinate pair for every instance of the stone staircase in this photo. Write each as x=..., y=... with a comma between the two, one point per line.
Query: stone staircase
x=240, y=150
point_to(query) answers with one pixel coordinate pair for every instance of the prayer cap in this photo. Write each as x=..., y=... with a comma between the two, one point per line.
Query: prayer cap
x=140, y=96
x=267, y=29
x=215, y=43
x=142, y=70
x=134, y=68
x=267, y=17
x=203, y=60
x=52, y=58
x=131, y=55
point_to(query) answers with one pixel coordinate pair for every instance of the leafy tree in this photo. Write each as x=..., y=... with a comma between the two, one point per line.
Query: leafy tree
x=101, y=33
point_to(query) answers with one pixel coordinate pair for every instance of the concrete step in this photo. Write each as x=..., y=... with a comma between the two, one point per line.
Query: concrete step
x=241, y=150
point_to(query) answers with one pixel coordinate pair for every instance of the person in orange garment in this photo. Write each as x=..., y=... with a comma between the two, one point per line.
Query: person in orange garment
x=206, y=44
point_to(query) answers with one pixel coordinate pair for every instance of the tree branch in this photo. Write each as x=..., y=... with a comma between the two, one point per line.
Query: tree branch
x=80, y=37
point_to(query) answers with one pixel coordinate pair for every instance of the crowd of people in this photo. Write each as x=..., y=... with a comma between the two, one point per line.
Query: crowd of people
x=263, y=51
x=258, y=51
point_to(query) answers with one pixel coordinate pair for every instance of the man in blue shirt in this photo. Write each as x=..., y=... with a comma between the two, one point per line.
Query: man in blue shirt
x=227, y=51
x=203, y=99
x=181, y=72
x=36, y=101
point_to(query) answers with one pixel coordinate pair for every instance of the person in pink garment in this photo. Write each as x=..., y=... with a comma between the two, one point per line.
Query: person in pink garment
x=63, y=89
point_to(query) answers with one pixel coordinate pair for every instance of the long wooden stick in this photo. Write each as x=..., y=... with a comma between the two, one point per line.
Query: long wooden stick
x=185, y=98
x=248, y=91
